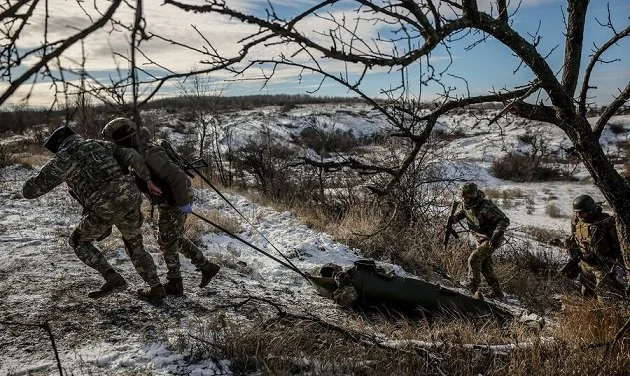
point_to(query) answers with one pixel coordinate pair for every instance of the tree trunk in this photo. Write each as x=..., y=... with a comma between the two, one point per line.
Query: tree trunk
x=611, y=184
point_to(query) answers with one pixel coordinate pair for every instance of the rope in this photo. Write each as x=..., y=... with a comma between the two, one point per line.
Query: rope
x=196, y=170
x=234, y=236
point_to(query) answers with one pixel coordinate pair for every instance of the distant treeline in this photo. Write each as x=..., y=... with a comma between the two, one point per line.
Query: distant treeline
x=19, y=118
x=220, y=103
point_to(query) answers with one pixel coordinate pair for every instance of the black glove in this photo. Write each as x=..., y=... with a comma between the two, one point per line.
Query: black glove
x=495, y=240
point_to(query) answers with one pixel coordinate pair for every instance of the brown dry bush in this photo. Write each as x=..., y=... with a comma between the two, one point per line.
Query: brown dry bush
x=287, y=343
x=532, y=277
x=554, y=211
x=544, y=235
x=26, y=155
x=195, y=228
x=522, y=168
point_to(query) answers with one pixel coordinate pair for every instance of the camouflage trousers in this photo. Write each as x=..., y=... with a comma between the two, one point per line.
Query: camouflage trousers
x=173, y=241
x=480, y=262
x=596, y=280
x=117, y=205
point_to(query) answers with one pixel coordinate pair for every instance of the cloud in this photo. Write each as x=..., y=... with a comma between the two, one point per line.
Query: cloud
x=186, y=36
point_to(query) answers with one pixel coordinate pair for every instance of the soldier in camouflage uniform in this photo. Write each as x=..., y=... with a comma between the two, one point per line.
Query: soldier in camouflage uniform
x=173, y=207
x=488, y=223
x=594, y=237
x=98, y=181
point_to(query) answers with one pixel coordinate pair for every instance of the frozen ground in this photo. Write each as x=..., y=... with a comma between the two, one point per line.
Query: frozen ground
x=41, y=280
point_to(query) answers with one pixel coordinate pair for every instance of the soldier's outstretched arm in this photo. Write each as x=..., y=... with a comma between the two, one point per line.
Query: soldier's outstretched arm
x=131, y=159
x=51, y=175
x=459, y=215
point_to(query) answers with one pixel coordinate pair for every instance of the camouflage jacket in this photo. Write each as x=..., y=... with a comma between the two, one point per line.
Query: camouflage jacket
x=175, y=184
x=87, y=166
x=483, y=217
x=597, y=239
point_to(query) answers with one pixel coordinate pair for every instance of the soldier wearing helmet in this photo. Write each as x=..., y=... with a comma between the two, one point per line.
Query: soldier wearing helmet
x=488, y=223
x=174, y=206
x=594, y=236
x=97, y=177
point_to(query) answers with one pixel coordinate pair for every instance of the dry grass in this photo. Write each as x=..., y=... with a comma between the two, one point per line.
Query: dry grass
x=505, y=194
x=29, y=155
x=544, y=235
x=195, y=227
x=554, y=211
x=571, y=345
x=508, y=198
x=279, y=342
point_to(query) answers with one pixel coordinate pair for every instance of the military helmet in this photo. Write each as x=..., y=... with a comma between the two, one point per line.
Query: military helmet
x=119, y=129
x=57, y=138
x=469, y=189
x=584, y=203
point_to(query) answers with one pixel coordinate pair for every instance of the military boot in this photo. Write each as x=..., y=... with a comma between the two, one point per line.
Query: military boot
x=113, y=282
x=208, y=271
x=496, y=292
x=153, y=294
x=174, y=287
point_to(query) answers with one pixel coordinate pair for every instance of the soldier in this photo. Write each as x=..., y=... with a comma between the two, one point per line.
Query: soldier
x=488, y=223
x=594, y=237
x=98, y=180
x=174, y=207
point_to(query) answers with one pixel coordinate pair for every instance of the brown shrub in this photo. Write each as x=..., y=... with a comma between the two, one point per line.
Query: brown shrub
x=282, y=342
x=544, y=235
x=522, y=168
x=196, y=228
x=26, y=155
x=554, y=211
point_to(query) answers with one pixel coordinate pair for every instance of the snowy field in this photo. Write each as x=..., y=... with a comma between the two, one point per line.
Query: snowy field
x=41, y=280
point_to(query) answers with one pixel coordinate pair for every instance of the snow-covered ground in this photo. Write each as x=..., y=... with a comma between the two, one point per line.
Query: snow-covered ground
x=41, y=280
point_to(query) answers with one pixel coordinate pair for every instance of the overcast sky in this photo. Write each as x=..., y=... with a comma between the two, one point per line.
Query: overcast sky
x=487, y=66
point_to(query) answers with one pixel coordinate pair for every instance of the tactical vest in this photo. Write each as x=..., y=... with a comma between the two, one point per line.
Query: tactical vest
x=593, y=238
x=477, y=221
x=94, y=166
x=471, y=218
x=173, y=155
x=167, y=191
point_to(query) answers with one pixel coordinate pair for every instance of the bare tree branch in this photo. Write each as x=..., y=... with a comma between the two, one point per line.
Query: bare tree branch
x=573, y=46
x=57, y=52
x=611, y=109
x=503, y=11
x=595, y=59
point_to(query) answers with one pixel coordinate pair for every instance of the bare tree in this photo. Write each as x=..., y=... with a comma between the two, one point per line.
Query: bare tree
x=202, y=96
x=417, y=29
x=24, y=64
x=413, y=31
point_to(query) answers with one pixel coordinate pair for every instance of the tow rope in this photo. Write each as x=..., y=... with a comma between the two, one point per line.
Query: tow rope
x=289, y=265
x=193, y=166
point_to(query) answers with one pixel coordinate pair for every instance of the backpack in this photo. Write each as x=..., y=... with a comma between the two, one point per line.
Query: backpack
x=176, y=158
x=180, y=162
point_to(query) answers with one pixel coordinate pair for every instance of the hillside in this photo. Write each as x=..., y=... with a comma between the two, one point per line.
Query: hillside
x=41, y=280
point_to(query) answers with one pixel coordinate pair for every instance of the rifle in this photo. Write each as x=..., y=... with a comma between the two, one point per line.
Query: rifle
x=181, y=161
x=449, y=224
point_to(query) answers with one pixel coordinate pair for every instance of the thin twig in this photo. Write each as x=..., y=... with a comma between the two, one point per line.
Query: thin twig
x=609, y=349
x=46, y=326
